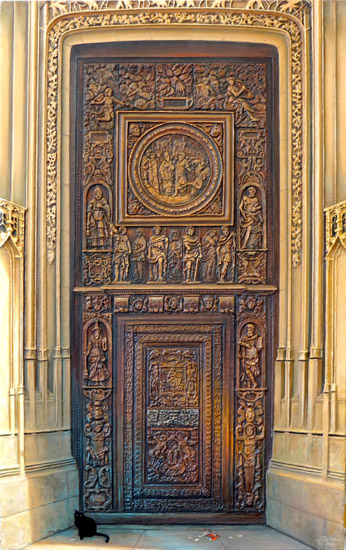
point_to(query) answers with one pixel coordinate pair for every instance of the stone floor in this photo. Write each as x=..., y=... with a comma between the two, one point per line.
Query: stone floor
x=177, y=537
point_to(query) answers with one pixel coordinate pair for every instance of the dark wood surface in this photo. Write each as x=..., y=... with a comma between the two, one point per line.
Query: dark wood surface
x=173, y=329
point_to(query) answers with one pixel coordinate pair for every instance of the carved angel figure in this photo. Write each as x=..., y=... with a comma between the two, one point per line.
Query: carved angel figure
x=235, y=98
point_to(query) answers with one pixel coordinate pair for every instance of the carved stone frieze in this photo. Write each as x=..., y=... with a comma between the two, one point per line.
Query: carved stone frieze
x=97, y=303
x=250, y=434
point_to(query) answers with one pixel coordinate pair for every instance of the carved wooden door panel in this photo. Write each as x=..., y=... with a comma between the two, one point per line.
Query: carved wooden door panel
x=172, y=445
x=173, y=256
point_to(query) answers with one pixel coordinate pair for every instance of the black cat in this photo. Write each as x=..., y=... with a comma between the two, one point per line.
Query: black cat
x=87, y=526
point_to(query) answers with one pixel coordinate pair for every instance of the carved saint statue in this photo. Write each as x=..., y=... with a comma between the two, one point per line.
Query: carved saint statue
x=251, y=220
x=139, y=245
x=96, y=370
x=250, y=346
x=192, y=255
x=226, y=254
x=121, y=255
x=182, y=167
x=98, y=220
x=209, y=242
x=157, y=256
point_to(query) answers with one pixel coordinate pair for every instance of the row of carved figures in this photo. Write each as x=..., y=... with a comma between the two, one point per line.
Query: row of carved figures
x=99, y=228
x=175, y=257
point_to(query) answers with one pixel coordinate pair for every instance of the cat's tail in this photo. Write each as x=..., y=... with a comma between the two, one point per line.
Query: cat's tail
x=103, y=535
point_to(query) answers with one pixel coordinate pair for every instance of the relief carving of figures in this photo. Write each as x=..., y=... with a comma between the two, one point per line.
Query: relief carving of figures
x=192, y=255
x=173, y=378
x=173, y=455
x=209, y=256
x=249, y=435
x=237, y=96
x=251, y=307
x=96, y=364
x=121, y=254
x=251, y=220
x=250, y=347
x=157, y=255
x=98, y=221
x=225, y=251
x=139, y=245
x=174, y=256
x=166, y=170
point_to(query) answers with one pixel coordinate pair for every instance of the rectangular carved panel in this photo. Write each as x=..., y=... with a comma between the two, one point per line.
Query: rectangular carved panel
x=173, y=417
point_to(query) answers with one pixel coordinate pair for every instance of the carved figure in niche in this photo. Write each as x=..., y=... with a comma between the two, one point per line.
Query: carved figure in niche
x=139, y=245
x=174, y=256
x=208, y=304
x=96, y=361
x=106, y=113
x=250, y=346
x=209, y=256
x=122, y=251
x=167, y=174
x=234, y=100
x=150, y=171
x=251, y=220
x=97, y=431
x=248, y=460
x=226, y=254
x=98, y=220
x=192, y=255
x=157, y=255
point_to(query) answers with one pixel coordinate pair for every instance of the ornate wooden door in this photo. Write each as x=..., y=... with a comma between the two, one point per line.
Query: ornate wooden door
x=173, y=255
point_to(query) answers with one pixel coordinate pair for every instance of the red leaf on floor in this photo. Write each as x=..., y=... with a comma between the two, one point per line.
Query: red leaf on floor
x=212, y=536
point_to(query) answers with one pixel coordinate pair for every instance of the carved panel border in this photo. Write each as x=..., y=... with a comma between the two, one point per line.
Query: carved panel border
x=280, y=20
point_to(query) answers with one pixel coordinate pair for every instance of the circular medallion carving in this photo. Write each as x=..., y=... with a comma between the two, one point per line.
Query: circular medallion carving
x=175, y=169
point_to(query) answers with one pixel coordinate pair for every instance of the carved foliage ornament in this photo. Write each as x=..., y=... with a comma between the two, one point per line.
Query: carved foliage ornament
x=278, y=16
x=12, y=220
